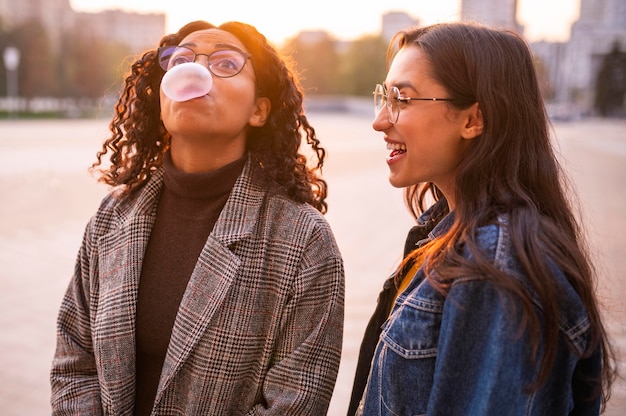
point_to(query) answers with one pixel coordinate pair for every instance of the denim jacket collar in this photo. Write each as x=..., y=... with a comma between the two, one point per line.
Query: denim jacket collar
x=433, y=223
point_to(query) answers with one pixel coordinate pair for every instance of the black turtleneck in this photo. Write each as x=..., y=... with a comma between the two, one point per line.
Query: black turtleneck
x=188, y=209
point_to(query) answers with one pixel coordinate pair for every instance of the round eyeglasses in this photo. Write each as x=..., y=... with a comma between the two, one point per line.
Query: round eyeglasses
x=392, y=100
x=223, y=63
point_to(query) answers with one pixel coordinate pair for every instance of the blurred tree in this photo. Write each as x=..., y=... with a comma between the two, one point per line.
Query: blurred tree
x=36, y=76
x=4, y=42
x=88, y=66
x=118, y=62
x=82, y=67
x=316, y=61
x=363, y=66
x=611, y=84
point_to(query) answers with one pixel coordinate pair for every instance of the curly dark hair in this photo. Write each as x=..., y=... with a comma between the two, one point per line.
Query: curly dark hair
x=139, y=139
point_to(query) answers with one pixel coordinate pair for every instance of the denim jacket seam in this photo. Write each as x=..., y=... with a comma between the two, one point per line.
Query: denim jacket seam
x=423, y=304
x=576, y=334
x=409, y=354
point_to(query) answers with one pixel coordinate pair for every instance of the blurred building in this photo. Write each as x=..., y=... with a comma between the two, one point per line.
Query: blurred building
x=55, y=15
x=137, y=30
x=602, y=24
x=313, y=36
x=496, y=13
x=395, y=21
x=574, y=65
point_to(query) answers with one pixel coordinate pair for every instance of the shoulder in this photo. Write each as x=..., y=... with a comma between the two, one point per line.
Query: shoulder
x=253, y=196
x=496, y=244
x=301, y=213
x=493, y=242
x=117, y=208
x=299, y=222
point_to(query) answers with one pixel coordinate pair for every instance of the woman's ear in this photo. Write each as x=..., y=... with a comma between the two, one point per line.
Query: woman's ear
x=261, y=112
x=473, y=122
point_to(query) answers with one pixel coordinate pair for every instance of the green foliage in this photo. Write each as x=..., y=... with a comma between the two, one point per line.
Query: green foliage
x=363, y=66
x=81, y=66
x=35, y=71
x=326, y=66
x=316, y=62
x=88, y=66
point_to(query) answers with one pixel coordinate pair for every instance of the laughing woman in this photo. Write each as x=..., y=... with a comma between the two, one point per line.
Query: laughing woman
x=493, y=310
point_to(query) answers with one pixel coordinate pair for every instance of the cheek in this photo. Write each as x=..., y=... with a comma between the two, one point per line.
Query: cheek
x=163, y=103
x=430, y=142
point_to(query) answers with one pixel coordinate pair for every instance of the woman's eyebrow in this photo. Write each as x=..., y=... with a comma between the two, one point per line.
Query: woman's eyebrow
x=405, y=84
x=228, y=46
x=216, y=46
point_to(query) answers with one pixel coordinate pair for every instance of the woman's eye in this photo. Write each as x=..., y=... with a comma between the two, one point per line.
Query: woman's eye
x=177, y=60
x=224, y=63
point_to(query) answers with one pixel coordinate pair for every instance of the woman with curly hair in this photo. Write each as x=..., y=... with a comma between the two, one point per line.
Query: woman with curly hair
x=493, y=310
x=208, y=282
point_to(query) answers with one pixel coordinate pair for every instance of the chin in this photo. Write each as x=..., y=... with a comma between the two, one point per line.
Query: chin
x=396, y=183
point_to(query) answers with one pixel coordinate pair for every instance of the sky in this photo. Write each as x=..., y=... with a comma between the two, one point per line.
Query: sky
x=279, y=20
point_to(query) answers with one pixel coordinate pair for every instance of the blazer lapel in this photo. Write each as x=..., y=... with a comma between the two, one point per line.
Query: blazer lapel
x=206, y=290
x=120, y=261
x=215, y=271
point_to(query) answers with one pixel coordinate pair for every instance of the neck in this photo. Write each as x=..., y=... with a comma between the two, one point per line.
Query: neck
x=205, y=158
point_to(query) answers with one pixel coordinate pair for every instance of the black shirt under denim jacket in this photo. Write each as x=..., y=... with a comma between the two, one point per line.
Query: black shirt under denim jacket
x=417, y=236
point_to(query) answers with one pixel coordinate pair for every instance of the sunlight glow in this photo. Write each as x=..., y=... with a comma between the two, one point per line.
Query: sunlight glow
x=279, y=20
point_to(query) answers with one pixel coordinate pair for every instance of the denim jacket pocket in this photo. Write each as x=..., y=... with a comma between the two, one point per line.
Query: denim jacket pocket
x=409, y=351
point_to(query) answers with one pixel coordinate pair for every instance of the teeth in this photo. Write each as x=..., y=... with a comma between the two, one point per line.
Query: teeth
x=396, y=146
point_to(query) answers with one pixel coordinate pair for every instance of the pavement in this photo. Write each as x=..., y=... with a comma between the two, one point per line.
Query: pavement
x=47, y=196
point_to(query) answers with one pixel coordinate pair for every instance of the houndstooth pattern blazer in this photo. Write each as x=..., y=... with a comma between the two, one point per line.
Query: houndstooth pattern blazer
x=259, y=329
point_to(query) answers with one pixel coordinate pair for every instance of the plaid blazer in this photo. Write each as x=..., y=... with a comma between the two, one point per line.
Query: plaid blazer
x=259, y=328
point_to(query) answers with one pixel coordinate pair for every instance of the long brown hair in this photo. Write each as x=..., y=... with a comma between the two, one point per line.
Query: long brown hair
x=510, y=168
x=139, y=139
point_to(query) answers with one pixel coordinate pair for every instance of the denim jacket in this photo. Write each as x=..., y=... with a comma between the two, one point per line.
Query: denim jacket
x=464, y=355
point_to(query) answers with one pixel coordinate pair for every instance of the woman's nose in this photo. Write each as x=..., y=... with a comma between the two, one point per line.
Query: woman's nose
x=381, y=120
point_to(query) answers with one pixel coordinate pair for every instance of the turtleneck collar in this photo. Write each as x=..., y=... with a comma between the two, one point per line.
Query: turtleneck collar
x=201, y=185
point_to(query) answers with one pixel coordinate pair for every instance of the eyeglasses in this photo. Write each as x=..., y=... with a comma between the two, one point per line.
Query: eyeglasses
x=392, y=100
x=223, y=63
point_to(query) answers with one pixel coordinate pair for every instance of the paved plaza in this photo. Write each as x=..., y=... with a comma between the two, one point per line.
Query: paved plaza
x=47, y=196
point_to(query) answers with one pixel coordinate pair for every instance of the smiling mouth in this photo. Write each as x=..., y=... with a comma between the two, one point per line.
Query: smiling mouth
x=396, y=149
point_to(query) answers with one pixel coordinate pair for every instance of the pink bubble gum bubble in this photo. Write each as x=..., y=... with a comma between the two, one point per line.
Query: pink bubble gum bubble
x=187, y=81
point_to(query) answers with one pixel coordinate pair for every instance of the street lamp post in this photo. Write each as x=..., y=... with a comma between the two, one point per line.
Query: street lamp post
x=11, y=62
